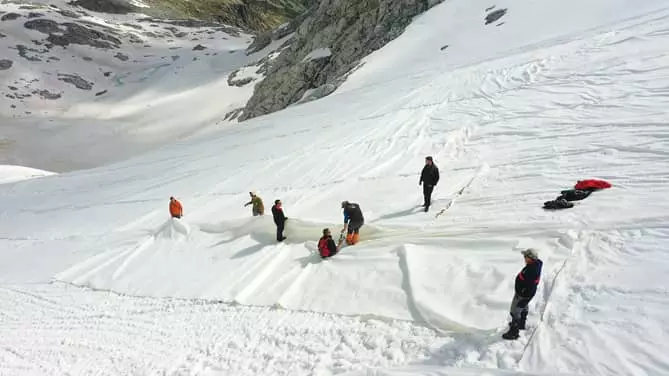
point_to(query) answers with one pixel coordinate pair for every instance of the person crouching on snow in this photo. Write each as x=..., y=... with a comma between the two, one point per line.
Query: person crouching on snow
x=525, y=288
x=176, y=210
x=326, y=246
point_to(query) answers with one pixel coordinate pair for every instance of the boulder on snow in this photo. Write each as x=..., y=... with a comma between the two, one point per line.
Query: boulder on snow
x=9, y=16
x=76, y=33
x=495, y=15
x=122, y=56
x=5, y=64
x=23, y=52
x=46, y=94
x=75, y=80
x=43, y=26
x=199, y=47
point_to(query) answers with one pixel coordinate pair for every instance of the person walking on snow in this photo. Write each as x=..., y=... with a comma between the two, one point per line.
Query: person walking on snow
x=353, y=221
x=279, y=220
x=176, y=210
x=526, y=286
x=326, y=245
x=430, y=177
x=258, y=208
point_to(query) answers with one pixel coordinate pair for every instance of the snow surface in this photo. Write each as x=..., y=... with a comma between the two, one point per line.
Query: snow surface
x=11, y=174
x=512, y=114
x=318, y=53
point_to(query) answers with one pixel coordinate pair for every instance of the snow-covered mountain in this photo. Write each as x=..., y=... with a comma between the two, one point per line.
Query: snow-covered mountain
x=81, y=89
x=515, y=101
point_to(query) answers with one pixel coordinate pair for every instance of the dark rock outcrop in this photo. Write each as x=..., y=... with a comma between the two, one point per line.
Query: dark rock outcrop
x=46, y=94
x=122, y=56
x=495, y=15
x=351, y=29
x=106, y=6
x=9, y=16
x=5, y=64
x=68, y=13
x=260, y=41
x=79, y=34
x=43, y=26
x=75, y=80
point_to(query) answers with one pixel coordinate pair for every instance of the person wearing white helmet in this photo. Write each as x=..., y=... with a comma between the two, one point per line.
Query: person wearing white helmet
x=526, y=285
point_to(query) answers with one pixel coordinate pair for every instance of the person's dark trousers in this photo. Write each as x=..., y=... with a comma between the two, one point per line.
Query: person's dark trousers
x=279, y=232
x=427, y=195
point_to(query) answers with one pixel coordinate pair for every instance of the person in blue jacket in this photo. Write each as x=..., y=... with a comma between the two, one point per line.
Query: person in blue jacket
x=526, y=285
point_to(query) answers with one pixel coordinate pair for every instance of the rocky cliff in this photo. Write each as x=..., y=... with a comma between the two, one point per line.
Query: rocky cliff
x=328, y=45
x=251, y=15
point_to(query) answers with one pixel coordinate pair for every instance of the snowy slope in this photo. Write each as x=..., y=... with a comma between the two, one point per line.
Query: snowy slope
x=11, y=174
x=512, y=115
x=94, y=88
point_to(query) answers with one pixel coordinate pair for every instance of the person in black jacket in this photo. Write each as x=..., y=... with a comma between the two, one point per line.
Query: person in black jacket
x=279, y=220
x=326, y=245
x=525, y=288
x=353, y=221
x=430, y=177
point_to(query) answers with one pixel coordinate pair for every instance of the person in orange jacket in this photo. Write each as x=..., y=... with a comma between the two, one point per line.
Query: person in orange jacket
x=176, y=210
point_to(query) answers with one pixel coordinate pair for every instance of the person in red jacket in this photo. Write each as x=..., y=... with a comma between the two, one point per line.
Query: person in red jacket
x=326, y=245
x=176, y=210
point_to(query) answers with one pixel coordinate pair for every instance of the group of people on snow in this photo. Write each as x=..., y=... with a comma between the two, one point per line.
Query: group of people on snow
x=526, y=282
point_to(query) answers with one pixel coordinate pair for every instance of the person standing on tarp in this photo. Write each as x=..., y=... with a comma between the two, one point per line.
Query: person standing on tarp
x=258, y=208
x=429, y=178
x=525, y=288
x=279, y=220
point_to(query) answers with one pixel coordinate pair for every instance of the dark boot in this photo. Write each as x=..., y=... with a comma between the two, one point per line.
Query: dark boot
x=522, y=321
x=512, y=333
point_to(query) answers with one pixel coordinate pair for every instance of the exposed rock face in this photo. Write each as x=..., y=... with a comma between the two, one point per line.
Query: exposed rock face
x=495, y=15
x=75, y=80
x=79, y=34
x=261, y=41
x=43, y=26
x=106, y=6
x=9, y=16
x=46, y=94
x=122, y=56
x=350, y=29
